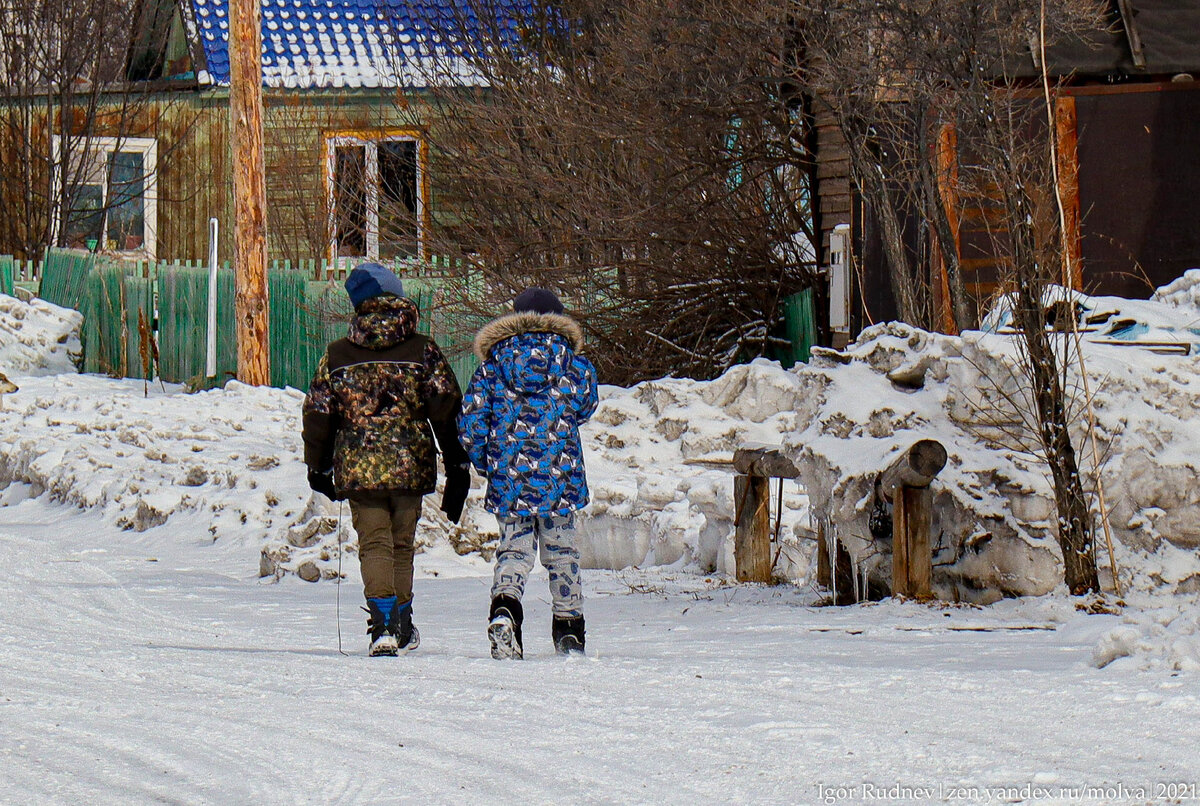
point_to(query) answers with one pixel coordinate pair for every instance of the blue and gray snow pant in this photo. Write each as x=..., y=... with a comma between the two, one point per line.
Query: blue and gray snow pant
x=554, y=536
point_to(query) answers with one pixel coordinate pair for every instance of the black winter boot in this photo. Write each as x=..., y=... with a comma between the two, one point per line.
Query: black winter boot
x=568, y=635
x=407, y=636
x=504, y=628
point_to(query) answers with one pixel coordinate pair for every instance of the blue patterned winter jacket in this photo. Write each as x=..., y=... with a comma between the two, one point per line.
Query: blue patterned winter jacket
x=522, y=411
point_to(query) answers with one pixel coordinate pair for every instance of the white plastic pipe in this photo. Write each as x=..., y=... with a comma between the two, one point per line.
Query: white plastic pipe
x=211, y=366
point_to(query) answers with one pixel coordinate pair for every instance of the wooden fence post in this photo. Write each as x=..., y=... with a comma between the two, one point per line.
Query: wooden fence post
x=906, y=485
x=752, y=539
x=756, y=466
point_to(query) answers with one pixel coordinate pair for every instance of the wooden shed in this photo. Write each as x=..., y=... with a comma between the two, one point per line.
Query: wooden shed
x=1128, y=118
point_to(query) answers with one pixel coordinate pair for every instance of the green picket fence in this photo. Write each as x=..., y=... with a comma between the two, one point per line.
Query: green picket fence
x=64, y=279
x=799, y=328
x=121, y=301
x=118, y=317
x=305, y=316
x=7, y=275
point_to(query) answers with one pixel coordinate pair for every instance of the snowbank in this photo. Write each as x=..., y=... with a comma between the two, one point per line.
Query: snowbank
x=658, y=457
x=226, y=466
x=1182, y=293
x=1156, y=633
x=37, y=338
x=993, y=503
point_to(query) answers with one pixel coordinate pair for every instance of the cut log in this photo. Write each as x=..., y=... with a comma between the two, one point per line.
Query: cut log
x=768, y=461
x=916, y=467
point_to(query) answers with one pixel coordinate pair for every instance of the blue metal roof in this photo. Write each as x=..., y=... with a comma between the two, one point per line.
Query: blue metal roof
x=334, y=43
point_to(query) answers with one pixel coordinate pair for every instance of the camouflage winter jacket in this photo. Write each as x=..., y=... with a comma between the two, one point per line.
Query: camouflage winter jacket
x=376, y=393
x=521, y=415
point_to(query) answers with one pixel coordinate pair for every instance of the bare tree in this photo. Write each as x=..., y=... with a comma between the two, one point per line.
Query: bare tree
x=651, y=161
x=896, y=74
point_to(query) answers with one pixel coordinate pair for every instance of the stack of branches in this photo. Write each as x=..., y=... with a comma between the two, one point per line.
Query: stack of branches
x=652, y=162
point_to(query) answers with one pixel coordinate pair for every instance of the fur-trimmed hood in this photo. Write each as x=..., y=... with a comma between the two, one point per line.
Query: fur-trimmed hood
x=514, y=324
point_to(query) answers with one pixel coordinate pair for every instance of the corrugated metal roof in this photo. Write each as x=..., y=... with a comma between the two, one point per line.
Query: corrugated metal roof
x=337, y=43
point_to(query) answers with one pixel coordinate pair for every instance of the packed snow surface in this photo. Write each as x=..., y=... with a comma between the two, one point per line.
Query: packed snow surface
x=138, y=472
x=149, y=668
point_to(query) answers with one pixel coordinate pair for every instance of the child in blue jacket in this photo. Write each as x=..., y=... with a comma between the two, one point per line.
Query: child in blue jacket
x=520, y=425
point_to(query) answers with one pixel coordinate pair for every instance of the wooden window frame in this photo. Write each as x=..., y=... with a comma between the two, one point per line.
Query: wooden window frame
x=370, y=140
x=96, y=146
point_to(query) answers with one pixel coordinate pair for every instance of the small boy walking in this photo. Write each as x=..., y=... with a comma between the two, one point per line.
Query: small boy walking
x=378, y=398
x=520, y=426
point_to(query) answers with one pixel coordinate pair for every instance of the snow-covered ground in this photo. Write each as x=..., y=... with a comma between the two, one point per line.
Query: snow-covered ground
x=140, y=669
x=160, y=644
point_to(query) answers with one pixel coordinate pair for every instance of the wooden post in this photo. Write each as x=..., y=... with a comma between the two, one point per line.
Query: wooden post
x=906, y=484
x=1067, y=135
x=249, y=192
x=912, y=557
x=752, y=540
x=756, y=465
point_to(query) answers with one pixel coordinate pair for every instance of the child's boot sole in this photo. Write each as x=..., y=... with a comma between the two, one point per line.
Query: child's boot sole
x=503, y=637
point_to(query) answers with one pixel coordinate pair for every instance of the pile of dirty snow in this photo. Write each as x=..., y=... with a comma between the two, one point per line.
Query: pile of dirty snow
x=993, y=503
x=659, y=466
x=37, y=338
x=225, y=466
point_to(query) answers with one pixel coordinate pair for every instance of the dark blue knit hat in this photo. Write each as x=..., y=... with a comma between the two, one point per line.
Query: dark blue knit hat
x=370, y=280
x=537, y=300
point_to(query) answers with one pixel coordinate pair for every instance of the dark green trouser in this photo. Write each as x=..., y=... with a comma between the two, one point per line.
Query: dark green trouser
x=386, y=524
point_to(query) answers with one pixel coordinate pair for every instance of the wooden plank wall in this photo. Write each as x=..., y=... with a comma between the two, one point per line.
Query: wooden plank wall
x=834, y=196
x=194, y=181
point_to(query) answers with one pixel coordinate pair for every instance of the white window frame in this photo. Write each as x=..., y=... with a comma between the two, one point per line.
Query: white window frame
x=97, y=146
x=370, y=143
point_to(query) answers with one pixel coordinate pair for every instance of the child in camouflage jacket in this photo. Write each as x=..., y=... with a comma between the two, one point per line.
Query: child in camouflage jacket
x=378, y=398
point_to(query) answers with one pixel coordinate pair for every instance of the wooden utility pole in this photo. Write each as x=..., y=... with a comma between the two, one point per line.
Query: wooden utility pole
x=249, y=192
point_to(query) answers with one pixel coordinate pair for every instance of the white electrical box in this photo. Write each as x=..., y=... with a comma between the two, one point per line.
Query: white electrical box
x=839, y=278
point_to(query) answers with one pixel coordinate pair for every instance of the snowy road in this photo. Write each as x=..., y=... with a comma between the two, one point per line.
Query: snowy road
x=131, y=672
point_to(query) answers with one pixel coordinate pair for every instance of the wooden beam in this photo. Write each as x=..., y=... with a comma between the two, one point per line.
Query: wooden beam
x=249, y=192
x=752, y=538
x=916, y=467
x=1136, y=51
x=1067, y=134
x=764, y=460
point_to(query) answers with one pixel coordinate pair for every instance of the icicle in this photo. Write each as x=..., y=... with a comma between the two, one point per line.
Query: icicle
x=831, y=544
x=854, y=575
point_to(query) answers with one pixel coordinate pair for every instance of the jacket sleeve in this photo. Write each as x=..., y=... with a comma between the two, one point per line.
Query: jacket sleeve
x=443, y=399
x=475, y=421
x=590, y=397
x=320, y=419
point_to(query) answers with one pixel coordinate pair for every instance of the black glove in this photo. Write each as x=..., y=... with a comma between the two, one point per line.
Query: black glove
x=458, y=484
x=323, y=483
